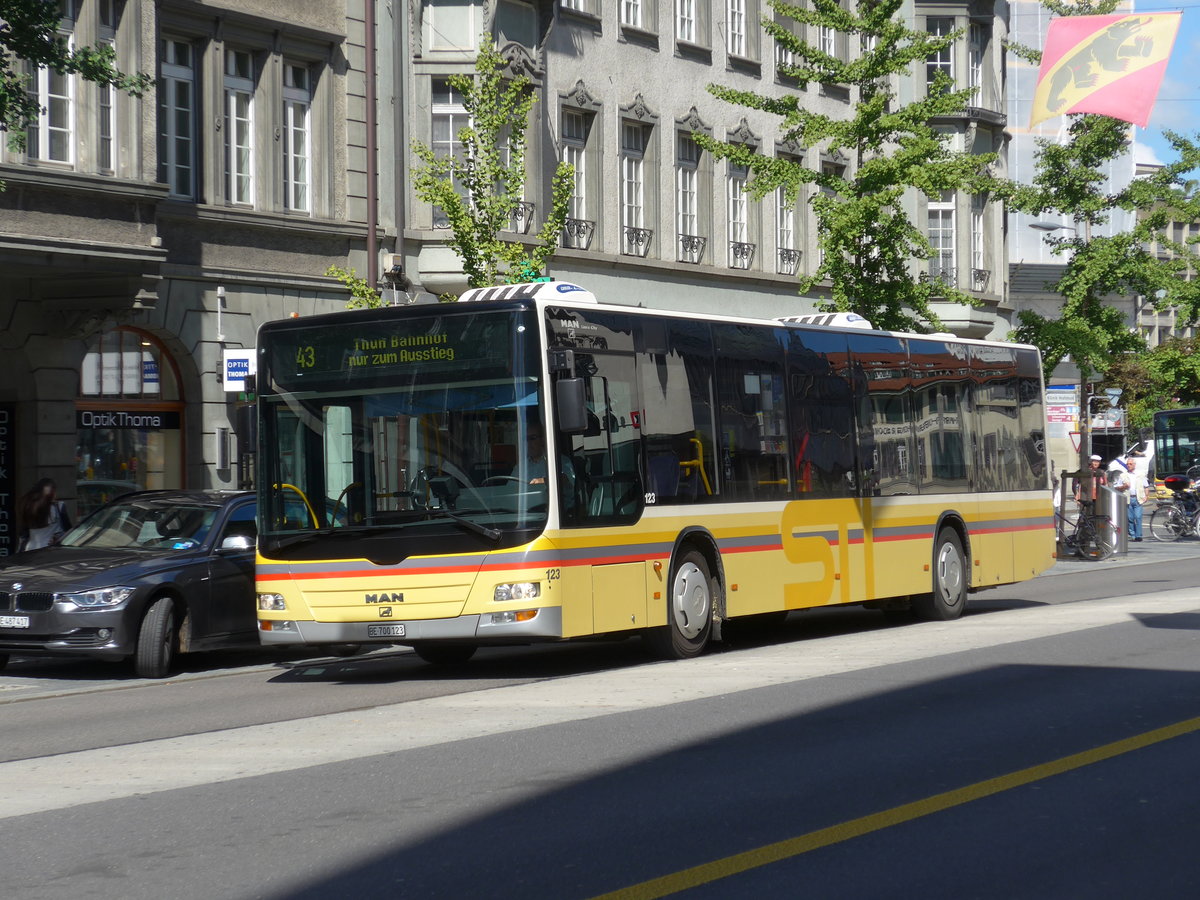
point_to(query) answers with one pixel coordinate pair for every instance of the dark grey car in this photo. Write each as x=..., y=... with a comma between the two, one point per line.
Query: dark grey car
x=146, y=576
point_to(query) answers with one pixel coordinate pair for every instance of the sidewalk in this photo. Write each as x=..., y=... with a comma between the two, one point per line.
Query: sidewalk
x=1148, y=551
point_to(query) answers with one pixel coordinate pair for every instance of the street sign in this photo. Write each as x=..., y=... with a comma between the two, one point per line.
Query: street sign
x=236, y=366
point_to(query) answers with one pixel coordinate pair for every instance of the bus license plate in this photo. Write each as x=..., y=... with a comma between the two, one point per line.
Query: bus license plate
x=385, y=631
x=19, y=622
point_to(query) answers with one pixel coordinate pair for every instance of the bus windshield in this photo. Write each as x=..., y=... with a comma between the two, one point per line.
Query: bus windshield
x=382, y=426
x=1176, y=441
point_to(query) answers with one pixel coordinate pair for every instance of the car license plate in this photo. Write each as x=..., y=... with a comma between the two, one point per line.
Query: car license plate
x=21, y=622
x=385, y=631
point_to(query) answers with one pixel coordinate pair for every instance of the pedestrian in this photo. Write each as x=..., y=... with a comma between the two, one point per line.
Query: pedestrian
x=1121, y=481
x=1098, y=481
x=1139, y=493
x=43, y=518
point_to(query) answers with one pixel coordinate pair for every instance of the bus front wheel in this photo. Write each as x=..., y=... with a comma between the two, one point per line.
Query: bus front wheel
x=689, y=610
x=949, y=595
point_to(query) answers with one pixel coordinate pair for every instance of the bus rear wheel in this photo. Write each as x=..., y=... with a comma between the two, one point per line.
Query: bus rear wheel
x=949, y=596
x=689, y=610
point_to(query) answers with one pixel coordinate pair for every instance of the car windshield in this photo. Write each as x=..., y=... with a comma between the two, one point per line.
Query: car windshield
x=145, y=523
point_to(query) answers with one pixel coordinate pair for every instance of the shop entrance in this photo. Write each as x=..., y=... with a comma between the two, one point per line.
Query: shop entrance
x=129, y=419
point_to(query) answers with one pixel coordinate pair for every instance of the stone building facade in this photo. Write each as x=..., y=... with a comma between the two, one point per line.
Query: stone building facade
x=144, y=236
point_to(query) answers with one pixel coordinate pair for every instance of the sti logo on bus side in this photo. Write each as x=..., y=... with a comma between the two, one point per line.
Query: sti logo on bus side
x=383, y=598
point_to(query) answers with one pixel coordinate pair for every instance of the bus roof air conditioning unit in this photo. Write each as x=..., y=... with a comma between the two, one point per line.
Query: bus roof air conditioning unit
x=534, y=290
x=830, y=320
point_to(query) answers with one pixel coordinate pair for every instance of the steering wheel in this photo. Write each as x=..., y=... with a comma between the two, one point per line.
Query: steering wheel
x=500, y=479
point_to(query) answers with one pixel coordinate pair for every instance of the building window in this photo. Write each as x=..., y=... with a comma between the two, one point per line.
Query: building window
x=943, y=60
x=785, y=233
x=579, y=227
x=297, y=139
x=631, y=13
x=635, y=237
x=741, y=250
x=177, y=118
x=735, y=15
x=108, y=13
x=51, y=136
x=685, y=21
x=452, y=24
x=976, y=44
x=449, y=118
x=129, y=415
x=239, y=127
x=687, y=199
x=516, y=23
x=942, y=265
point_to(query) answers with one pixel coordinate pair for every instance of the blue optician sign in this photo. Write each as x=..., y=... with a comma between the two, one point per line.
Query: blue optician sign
x=238, y=364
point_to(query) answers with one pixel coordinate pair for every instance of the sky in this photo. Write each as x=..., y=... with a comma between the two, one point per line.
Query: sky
x=1178, y=105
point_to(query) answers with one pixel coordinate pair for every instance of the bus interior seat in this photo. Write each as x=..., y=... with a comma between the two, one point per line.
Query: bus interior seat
x=664, y=474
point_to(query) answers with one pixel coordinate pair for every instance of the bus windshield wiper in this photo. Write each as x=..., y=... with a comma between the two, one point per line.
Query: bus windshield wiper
x=470, y=525
x=346, y=531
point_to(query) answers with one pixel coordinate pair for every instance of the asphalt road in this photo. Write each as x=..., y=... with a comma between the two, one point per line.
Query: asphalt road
x=1039, y=747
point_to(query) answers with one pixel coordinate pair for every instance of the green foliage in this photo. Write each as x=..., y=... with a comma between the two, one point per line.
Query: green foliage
x=1165, y=377
x=479, y=191
x=1070, y=180
x=362, y=295
x=865, y=234
x=30, y=33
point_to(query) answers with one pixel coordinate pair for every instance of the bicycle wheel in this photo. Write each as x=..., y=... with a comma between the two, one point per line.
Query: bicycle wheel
x=1167, y=524
x=1093, y=539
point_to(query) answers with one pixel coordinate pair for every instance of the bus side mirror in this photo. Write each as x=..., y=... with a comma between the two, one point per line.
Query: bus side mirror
x=572, y=405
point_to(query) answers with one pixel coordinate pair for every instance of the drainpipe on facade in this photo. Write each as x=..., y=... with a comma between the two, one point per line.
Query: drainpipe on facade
x=372, y=159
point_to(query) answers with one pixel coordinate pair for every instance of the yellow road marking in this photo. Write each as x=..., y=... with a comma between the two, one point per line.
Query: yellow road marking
x=771, y=853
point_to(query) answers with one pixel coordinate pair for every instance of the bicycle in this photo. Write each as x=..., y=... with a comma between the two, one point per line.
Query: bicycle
x=1090, y=537
x=1178, y=519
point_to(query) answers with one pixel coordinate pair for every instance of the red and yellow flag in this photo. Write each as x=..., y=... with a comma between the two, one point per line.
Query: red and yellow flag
x=1109, y=65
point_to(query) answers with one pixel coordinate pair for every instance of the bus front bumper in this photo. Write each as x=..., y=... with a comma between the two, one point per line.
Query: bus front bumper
x=499, y=628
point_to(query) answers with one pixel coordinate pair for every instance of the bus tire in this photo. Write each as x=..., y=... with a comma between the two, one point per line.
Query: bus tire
x=445, y=654
x=156, y=640
x=949, y=595
x=689, y=610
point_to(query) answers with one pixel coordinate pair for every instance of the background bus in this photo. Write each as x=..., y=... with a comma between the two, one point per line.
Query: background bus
x=700, y=469
x=1177, y=441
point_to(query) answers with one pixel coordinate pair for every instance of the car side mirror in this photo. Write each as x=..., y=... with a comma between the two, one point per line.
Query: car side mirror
x=237, y=542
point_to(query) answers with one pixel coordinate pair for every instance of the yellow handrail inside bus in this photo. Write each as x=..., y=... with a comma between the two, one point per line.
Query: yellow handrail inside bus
x=698, y=463
x=312, y=512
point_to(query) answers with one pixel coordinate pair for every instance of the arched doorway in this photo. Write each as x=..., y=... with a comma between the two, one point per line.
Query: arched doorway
x=129, y=418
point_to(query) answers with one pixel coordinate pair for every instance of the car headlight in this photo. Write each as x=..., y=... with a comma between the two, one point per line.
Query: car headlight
x=523, y=590
x=105, y=598
x=271, y=601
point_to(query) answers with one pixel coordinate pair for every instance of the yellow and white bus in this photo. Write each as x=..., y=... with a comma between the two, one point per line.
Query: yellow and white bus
x=529, y=464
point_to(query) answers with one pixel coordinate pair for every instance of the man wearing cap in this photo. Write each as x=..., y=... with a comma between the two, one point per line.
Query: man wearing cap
x=1097, y=480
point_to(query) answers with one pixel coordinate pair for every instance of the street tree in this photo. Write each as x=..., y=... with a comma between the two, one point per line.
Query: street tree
x=1071, y=179
x=29, y=35
x=866, y=236
x=479, y=190
x=1162, y=377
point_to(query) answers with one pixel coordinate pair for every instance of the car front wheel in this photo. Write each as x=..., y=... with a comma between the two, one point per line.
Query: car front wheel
x=156, y=640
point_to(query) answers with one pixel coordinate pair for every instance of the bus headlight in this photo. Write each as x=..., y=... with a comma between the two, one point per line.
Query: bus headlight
x=271, y=602
x=521, y=590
